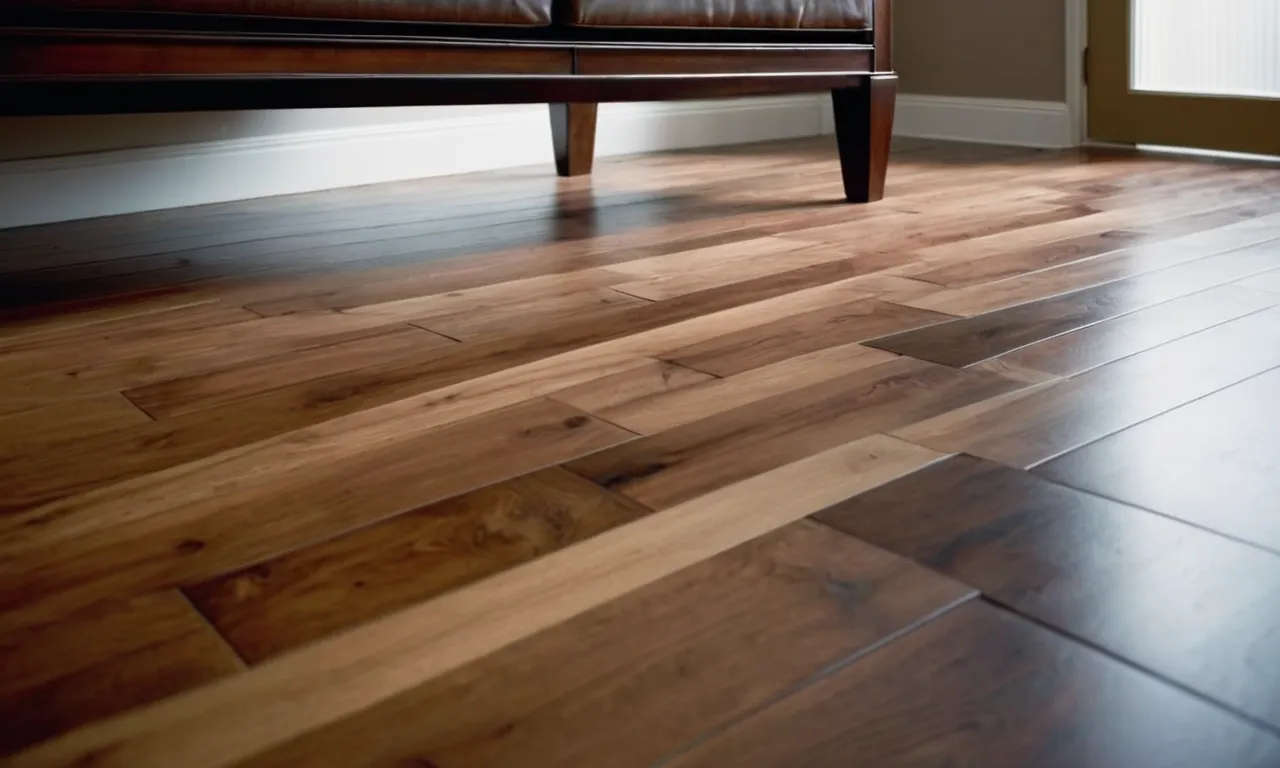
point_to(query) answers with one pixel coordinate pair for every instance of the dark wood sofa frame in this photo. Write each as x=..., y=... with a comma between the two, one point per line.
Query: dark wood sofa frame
x=92, y=63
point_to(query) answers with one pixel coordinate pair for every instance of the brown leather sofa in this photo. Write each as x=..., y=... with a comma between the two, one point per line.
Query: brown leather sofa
x=100, y=56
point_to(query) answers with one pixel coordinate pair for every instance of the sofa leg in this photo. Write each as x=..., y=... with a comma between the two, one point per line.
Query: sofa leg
x=864, y=128
x=573, y=128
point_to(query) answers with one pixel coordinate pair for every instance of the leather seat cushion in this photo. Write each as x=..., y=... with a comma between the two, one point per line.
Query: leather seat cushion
x=507, y=12
x=723, y=14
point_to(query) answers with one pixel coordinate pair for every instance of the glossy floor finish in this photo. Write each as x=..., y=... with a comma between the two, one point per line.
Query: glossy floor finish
x=685, y=464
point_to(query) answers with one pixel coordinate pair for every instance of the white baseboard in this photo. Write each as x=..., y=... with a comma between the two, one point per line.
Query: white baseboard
x=128, y=181
x=1041, y=124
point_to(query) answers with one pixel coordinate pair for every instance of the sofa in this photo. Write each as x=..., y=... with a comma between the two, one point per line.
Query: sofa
x=114, y=56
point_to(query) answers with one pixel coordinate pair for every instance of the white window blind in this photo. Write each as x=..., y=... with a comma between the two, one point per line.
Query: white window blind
x=1210, y=47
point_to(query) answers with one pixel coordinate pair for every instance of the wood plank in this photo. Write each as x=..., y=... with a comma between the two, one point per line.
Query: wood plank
x=72, y=419
x=196, y=521
x=229, y=721
x=1038, y=257
x=475, y=270
x=978, y=299
x=1065, y=415
x=1085, y=349
x=269, y=424
x=49, y=322
x=801, y=334
x=1184, y=603
x=191, y=394
x=1214, y=463
x=149, y=358
x=981, y=687
x=103, y=660
x=1027, y=259
x=700, y=456
x=1144, y=213
x=669, y=410
x=665, y=277
x=496, y=321
x=977, y=338
x=638, y=384
x=307, y=594
x=682, y=657
x=437, y=386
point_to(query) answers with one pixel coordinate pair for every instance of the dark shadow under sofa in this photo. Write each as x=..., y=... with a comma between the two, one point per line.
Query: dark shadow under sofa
x=122, y=56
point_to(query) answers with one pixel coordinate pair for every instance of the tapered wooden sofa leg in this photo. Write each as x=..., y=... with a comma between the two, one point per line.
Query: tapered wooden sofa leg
x=573, y=128
x=864, y=129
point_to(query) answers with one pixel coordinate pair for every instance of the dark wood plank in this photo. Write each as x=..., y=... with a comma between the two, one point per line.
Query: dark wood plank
x=979, y=687
x=690, y=460
x=104, y=659
x=1236, y=250
x=81, y=465
x=1052, y=420
x=282, y=603
x=1047, y=256
x=629, y=682
x=191, y=526
x=1214, y=462
x=190, y=394
x=807, y=332
x=66, y=418
x=973, y=339
x=1184, y=603
x=1085, y=349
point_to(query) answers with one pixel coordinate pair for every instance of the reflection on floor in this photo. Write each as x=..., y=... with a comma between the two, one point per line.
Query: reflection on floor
x=686, y=464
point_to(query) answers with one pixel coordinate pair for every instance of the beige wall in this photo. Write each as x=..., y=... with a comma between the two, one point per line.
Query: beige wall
x=1012, y=49
x=996, y=49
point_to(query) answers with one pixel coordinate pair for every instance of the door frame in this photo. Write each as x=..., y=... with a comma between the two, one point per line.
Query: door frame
x=1077, y=28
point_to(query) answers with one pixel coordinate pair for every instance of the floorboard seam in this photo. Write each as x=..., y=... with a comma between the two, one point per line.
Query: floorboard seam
x=1152, y=673
x=820, y=675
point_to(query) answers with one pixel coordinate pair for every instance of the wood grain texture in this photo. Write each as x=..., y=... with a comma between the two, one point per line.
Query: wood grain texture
x=977, y=338
x=102, y=660
x=1170, y=598
x=634, y=680
x=226, y=722
x=1217, y=458
x=1247, y=249
x=665, y=411
x=623, y=390
x=282, y=603
x=190, y=394
x=187, y=525
x=1057, y=418
x=836, y=326
x=699, y=456
x=66, y=418
x=979, y=687
x=382, y=516
x=1083, y=350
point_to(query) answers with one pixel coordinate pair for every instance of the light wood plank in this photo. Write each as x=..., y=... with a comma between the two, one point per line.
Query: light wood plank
x=232, y=720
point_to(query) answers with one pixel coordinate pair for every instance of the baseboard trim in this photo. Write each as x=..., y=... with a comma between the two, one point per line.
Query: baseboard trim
x=49, y=190
x=1041, y=124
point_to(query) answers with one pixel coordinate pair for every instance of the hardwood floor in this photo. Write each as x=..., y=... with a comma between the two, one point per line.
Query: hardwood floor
x=685, y=463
